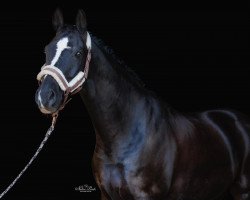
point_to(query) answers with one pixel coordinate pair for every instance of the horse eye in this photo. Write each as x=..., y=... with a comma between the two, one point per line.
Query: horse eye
x=78, y=53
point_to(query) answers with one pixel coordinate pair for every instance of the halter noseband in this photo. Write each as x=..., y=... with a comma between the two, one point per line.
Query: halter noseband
x=75, y=84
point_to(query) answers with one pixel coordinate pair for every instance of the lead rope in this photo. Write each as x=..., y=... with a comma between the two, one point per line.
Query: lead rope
x=48, y=133
x=57, y=73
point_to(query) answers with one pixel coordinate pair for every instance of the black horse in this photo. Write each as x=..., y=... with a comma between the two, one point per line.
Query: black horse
x=144, y=148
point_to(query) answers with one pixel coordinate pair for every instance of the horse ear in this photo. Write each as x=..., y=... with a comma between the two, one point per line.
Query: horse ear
x=81, y=22
x=57, y=19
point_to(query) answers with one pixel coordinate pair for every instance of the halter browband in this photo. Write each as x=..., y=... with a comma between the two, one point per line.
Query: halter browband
x=75, y=84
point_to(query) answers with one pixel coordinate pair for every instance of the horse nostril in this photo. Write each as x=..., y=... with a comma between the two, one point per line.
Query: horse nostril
x=51, y=96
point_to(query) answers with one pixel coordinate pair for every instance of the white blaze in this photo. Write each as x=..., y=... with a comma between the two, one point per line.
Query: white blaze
x=61, y=45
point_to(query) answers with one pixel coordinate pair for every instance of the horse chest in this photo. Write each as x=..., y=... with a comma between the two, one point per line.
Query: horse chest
x=112, y=180
x=113, y=176
x=120, y=183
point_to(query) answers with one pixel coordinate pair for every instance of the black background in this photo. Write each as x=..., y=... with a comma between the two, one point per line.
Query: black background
x=196, y=57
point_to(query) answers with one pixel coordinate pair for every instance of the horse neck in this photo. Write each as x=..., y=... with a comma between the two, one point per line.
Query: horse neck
x=112, y=101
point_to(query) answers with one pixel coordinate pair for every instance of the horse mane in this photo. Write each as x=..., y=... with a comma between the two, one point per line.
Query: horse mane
x=129, y=74
x=122, y=69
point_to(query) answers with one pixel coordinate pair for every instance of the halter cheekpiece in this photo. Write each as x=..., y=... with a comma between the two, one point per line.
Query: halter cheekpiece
x=75, y=84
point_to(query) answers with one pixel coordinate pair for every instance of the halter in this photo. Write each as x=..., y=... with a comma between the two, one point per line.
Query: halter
x=69, y=88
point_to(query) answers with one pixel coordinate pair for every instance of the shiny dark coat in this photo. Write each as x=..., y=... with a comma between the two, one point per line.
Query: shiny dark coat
x=145, y=150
